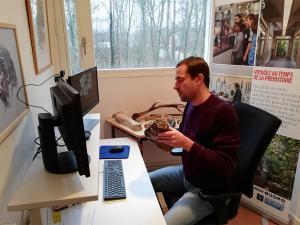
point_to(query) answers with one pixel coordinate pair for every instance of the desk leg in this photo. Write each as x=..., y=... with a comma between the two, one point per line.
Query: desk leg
x=113, y=132
x=141, y=145
x=35, y=217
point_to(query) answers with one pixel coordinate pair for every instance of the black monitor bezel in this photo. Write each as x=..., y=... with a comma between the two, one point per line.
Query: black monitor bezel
x=69, y=80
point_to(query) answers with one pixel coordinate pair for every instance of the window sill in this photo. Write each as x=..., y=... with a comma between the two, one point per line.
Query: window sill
x=135, y=73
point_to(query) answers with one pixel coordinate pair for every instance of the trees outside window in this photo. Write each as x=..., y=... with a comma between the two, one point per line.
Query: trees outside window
x=72, y=34
x=147, y=33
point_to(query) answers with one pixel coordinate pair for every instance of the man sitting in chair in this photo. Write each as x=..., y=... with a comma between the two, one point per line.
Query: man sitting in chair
x=209, y=135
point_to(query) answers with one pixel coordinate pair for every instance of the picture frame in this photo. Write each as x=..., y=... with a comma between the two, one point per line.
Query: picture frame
x=39, y=34
x=12, y=110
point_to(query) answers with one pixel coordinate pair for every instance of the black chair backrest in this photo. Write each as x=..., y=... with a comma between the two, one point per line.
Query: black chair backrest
x=257, y=128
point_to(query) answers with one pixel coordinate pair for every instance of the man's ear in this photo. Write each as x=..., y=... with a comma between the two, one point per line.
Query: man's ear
x=200, y=78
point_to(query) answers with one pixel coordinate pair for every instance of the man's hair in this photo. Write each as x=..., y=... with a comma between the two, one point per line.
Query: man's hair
x=254, y=21
x=195, y=66
x=240, y=16
x=240, y=25
x=250, y=16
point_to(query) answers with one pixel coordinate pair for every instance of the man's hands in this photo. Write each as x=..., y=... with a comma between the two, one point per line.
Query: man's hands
x=175, y=138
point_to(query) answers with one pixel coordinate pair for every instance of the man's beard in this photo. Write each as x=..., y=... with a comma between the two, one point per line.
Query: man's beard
x=184, y=98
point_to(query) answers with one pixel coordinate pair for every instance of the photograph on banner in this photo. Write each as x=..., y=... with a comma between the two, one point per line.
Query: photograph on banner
x=235, y=32
x=276, y=171
x=231, y=88
x=276, y=90
x=279, y=34
x=274, y=179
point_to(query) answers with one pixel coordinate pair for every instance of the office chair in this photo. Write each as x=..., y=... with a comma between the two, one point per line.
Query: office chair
x=257, y=128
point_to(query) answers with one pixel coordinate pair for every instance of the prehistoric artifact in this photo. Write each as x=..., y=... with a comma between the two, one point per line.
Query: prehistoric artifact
x=179, y=107
x=127, y=121
x=156, y=127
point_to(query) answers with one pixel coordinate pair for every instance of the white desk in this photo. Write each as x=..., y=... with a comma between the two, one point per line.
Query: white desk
x=41, y=189
x=139, y=207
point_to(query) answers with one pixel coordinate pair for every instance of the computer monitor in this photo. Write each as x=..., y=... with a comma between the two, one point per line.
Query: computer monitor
x=86, y=83
x=68, y=118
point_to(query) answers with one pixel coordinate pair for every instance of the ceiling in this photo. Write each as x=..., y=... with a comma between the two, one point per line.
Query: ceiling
x=274, y=13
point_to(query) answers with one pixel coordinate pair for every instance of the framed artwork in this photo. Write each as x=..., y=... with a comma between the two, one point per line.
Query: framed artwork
x=11, y=78
x=39, y=34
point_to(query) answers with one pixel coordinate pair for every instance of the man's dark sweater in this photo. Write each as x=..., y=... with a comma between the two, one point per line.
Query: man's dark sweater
x=214, y=127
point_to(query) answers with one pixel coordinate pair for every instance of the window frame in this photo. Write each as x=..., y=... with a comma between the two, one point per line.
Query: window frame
x=86, y=17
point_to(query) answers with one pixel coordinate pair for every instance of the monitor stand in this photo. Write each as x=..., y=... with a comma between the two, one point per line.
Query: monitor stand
x=87, y=134
x=54, y=161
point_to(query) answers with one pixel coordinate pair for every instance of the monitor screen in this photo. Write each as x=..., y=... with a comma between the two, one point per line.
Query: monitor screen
x=68, y=118
x=86, y=83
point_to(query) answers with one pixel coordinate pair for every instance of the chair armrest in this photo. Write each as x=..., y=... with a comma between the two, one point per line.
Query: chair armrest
x=225, y=204
x=219, y=197
x=176, y=151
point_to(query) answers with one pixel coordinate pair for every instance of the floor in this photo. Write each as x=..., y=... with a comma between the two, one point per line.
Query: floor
x=245, y=216
x=281, y=62
x=248, y=217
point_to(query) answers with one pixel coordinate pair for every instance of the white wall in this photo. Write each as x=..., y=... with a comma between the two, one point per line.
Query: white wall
x=18, y=148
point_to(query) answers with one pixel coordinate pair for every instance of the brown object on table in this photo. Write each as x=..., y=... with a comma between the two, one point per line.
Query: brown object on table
x=156, y=127
x=179, y=107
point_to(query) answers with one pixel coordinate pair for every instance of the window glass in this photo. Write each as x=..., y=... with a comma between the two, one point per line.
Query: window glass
x=72, y=33
x=147, y=33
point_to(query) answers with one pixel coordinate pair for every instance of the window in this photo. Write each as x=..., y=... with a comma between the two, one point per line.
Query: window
x=72, y=34
x=147, y=33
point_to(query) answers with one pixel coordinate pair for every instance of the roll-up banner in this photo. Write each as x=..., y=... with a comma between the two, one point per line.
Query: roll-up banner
x=256, y=52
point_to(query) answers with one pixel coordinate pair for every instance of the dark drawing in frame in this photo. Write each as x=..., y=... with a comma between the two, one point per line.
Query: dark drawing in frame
x=39, y=34
x=11, y=78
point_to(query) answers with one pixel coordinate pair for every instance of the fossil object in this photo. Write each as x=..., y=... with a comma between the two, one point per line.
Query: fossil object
x=179, y=107
x=156, y=127
x=127, y=121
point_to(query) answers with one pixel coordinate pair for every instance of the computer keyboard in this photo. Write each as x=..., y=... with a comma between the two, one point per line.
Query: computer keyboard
x=113, y=180
x=89, y=124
